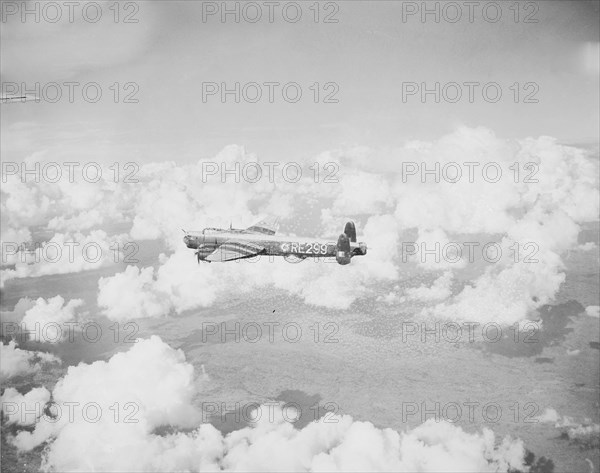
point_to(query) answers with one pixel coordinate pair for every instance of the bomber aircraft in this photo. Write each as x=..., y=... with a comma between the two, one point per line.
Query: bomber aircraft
x=217, y=244
x=17, y=98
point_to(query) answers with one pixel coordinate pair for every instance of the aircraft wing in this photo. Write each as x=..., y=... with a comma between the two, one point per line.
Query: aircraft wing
x=20, y=98
x=235, y=249
x=267, y=226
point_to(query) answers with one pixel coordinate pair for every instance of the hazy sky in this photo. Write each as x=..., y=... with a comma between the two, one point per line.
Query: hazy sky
x=369, y=53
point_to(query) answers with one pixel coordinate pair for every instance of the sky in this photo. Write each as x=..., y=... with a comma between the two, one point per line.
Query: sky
x=368, y=54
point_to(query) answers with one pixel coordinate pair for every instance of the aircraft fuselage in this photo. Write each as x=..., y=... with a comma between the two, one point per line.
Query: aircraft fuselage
x=220, y=245
x=209, y=241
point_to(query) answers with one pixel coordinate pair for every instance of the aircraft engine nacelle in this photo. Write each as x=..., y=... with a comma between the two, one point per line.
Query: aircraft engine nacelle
x=343, y=253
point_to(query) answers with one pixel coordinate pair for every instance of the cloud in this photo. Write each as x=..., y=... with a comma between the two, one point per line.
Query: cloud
x=435, y=251
x=587, y=246
x=519, y=283
x=549, y=416
x=440, y=289
x=585, y=433
x=65, y=253
x=161, y=385
x=83, y=221
x=181, y=284
x=546, y=191
x=593, y=311
x=14, y=361
x=45, y=318
x=131, y=295
x=24, y=409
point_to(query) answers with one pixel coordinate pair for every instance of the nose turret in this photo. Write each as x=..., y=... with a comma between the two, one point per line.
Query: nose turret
x=194, y=240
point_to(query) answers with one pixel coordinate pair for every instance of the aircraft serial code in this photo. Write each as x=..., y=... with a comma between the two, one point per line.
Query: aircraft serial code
x=310, y=248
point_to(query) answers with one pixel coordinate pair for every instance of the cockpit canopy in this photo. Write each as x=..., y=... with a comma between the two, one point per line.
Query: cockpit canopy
x=210, y=230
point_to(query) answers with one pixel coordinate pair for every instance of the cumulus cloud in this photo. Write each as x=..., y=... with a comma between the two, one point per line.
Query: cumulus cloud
x=593, y=311
x=131, y=295
x=16, y=315
x=48, y=317
x=587, y=246
x=83, y=221
x=540, y=220
x=549, y=416
x=64, y=253
x=435, y=251
x=180, y=283
x=439, y=290
x=545, y=191
x=72, y=203
x=585, y=433
x=161, y=386
x=14, y=361
x=24, y=409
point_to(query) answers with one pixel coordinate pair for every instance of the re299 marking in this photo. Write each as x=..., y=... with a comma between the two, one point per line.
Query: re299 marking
x=315, y=248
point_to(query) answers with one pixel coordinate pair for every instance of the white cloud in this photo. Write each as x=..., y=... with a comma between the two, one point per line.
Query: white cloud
x=439, y=290
x=435, y=251
x=593, y=311
x=168, y=197
x=14, y=361
x=65, y=253
x=549, y=416
x=583, y=432
x=45, y=319
x=161, y=384
x=24, y=409
x=131, y=295
x=587, y=246
x=83, y=221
